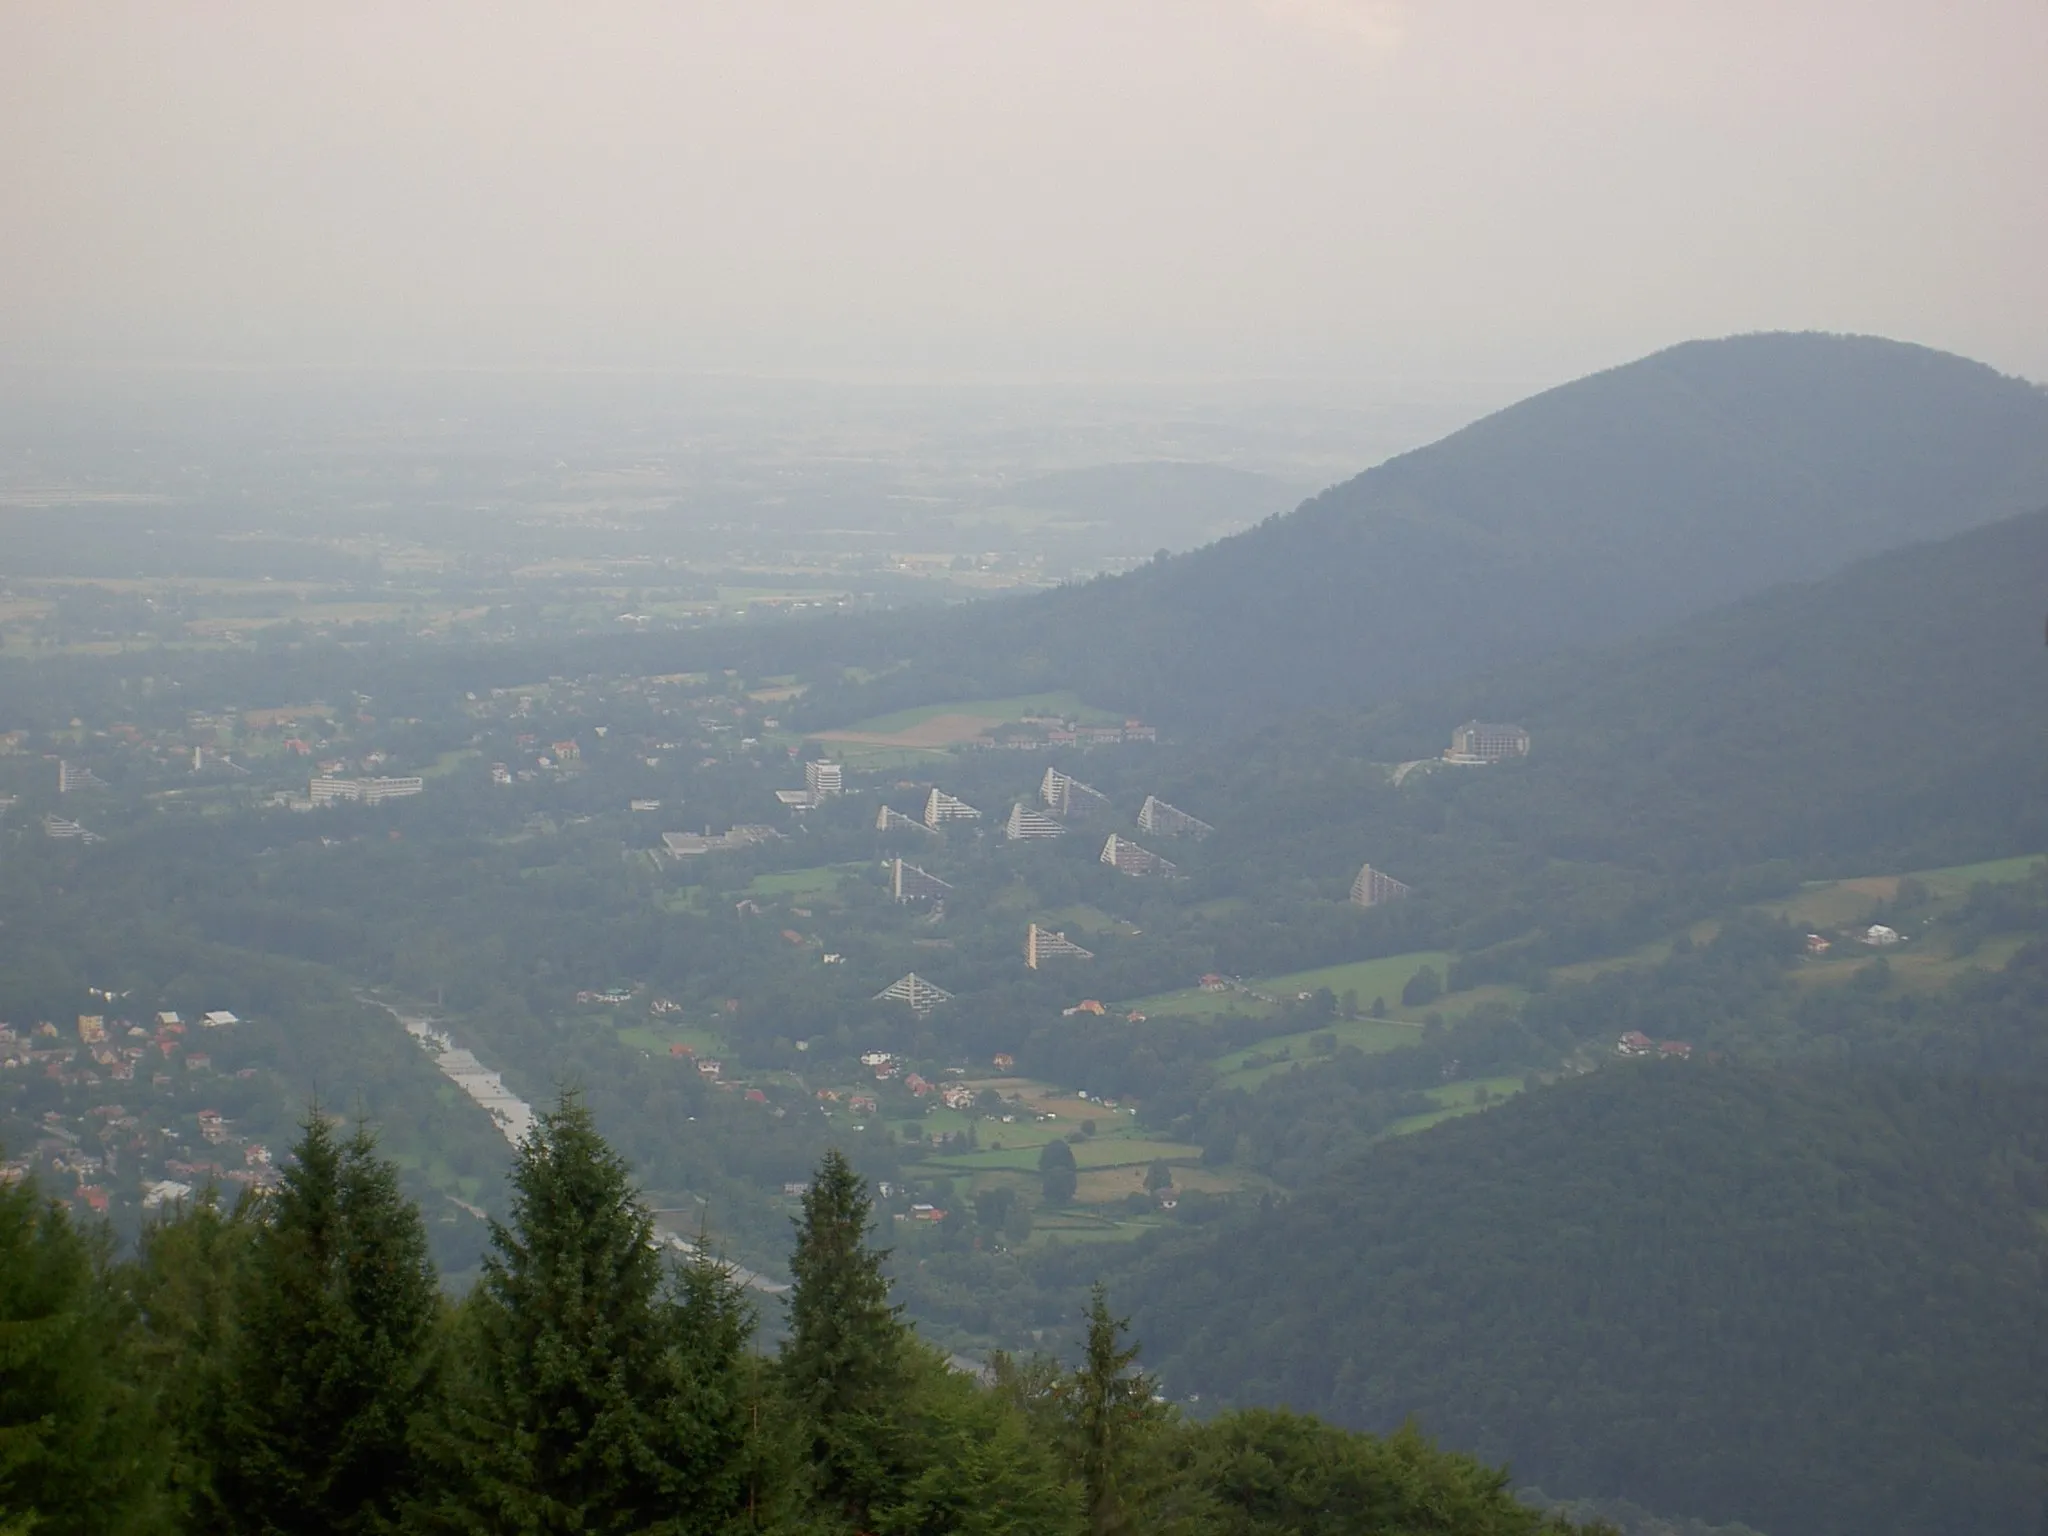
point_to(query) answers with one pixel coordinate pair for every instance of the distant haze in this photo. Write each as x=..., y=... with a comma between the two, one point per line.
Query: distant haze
x=1026, y=189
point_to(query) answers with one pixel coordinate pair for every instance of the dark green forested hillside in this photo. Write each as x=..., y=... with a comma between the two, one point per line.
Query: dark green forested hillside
x=1604, y=507
x=1897, y=708
x=1893, y=716
x=1811, y=1301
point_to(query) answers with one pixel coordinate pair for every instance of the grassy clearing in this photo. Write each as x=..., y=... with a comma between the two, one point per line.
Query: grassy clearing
x=1383, y=978
x=1110, y=1186
x=1957, y=880
x=1090, y=1154
x=1644, y=955
x=823, y=880
x=1835, y=903
x=1459, y=1098
x=870, y=757
x=1368, y=978
x=447, y=762
x=658, y=1037
x=1914, y=968
x=1248, y=1068
x=1082, y=919
x=1847, y=903
x=1101, y=1231
x=1066, y=704
x=1194, y=1003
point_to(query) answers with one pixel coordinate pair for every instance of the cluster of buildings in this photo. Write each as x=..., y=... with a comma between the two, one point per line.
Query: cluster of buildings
x=1064, y=802
x=1636, y=1043
x=144, y=1149
x=683, y=845
x=107, y=1050
x=1876, y=936
x=206, y=743
x=1038, y=734
x=1068, y=801
x=822, y=781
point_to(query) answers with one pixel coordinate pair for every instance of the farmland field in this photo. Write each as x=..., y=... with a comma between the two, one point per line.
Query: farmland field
x=1370, y=979
x=1957, y=880
x=937, y=727
x=1839, y=903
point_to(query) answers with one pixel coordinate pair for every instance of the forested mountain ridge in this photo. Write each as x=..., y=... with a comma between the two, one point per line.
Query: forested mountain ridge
x=1600, y=508
x=1810, y=1301
x=1891, y=716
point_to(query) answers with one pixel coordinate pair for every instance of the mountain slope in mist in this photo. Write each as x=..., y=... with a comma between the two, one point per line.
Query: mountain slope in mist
x=1602, y=508
x=1807, y=1300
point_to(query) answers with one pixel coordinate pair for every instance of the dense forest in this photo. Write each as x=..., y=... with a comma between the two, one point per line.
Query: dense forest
x=1805, y=1299
x=289, y=1364
x=1889, y=717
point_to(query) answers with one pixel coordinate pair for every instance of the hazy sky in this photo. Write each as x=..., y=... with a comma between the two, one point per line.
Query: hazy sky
x=1378, y=189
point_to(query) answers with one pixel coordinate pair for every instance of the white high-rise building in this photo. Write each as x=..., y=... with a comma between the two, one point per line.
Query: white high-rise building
x=1127, y=858
x=940, y=808
x=1045, y=944
x=887, y=820
x=824, y=780
x=908, y=883
x=1162, y=820
x=326, y=789
x=1372, y=888
x=70, y=777
x=914, y=990
x=1025, y=823
x=1479, y=741
x=1069, y=799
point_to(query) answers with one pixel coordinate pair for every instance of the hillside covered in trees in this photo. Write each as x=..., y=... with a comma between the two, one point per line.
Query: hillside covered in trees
x=289, y=1365
x=1807, y=1300
x=1891, y=716
x=1605, y=507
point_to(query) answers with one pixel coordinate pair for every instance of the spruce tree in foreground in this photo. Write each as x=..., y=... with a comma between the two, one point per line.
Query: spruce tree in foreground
x=183, y=1281
x=334, y=1317
x=1110, y=1407
x=845, y=1363
x=79, y=1452
x=589, y=1396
